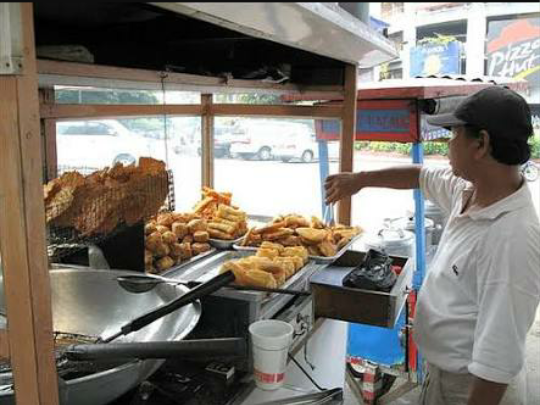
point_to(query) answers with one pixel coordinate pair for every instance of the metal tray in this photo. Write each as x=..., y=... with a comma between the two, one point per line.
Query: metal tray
x=317, y=259
x=206, y=269
x=189, y=262
x=224, y=244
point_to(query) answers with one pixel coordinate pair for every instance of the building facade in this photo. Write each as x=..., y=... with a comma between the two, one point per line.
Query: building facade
x=476, y=40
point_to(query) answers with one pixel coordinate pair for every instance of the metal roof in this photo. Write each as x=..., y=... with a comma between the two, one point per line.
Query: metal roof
x=321, y=28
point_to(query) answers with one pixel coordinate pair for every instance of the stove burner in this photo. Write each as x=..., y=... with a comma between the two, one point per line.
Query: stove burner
x=182, y=384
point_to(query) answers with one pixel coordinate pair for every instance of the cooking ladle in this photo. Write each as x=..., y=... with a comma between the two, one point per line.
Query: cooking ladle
x=141, y=284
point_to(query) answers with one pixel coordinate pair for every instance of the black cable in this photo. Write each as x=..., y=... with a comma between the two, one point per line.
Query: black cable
x=305, y=373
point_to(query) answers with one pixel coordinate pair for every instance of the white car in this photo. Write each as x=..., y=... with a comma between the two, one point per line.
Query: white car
x=100, y=143
x=303, y=146
x=260, y=138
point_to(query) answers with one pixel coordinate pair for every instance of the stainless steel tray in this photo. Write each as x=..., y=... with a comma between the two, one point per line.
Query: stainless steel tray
x=189, y=262
x=317, y=259
x=206, y=269
x=224, y=244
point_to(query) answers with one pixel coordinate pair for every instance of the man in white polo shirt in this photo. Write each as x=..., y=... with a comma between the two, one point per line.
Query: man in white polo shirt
x=480, y=295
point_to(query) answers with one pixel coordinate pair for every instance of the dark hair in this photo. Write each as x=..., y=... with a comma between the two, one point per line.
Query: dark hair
x=504, y=149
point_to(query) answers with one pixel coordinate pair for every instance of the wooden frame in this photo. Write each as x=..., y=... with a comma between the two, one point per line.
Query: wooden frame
x=53, y=72
x=207, y=141
x=22, y=232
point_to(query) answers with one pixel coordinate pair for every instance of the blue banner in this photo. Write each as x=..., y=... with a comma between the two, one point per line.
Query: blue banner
x=434, y=59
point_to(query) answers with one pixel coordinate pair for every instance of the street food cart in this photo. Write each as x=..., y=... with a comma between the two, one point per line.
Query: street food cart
x=135, y=49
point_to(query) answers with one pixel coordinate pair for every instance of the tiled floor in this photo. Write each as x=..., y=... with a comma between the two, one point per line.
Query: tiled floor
x=533, y=373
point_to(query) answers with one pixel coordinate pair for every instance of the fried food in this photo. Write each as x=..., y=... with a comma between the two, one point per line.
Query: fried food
x=197, y=225
x=198, y=248
x=162, y=229
x=180, y=229
x=270, y=245
x=327, y=249
x=215, y=234
x=291, y=241
x=224, y=221
x=164, y=263
x=98, y=203
x=150, y=228
x=266, y=252
x=188, y=239
x=270, y=227
x=201, y=236
x=162, y=250
x=169, y=237
x=279, y=233
x=165, y=219
x=222, y=227
x=312, y=236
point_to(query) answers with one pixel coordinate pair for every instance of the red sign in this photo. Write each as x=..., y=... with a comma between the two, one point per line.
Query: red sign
x=513, y=49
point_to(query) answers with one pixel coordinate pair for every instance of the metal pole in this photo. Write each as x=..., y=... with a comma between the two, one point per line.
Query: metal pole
x=418, y=157
x=324, y=171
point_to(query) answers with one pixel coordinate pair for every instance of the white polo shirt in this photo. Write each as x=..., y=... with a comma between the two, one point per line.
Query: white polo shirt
x=480, y=295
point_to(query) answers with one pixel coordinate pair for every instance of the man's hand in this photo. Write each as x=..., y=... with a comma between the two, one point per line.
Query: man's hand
x=342, y=185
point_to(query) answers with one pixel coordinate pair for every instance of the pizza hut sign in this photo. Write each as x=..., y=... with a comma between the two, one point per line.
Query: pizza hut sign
x=513, y=49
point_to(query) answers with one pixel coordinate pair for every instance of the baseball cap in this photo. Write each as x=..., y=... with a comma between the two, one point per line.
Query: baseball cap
x=497, y=109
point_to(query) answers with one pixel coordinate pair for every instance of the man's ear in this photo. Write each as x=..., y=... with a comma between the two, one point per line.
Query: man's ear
x=484, y=145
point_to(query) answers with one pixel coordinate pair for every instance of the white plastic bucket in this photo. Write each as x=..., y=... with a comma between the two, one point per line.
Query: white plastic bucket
x=270, y=340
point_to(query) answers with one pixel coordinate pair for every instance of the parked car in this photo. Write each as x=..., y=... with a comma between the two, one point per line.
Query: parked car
x=100, y=143
x=302, y=146
x=261, y=137
x=224, y=136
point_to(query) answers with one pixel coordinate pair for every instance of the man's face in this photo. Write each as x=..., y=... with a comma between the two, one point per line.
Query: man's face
x=461, y=152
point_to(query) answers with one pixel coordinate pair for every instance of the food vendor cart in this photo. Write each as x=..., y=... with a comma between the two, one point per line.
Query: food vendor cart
x=133, y=59
x=395, y=111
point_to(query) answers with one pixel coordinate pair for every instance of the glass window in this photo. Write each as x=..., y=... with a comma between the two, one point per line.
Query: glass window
x=89, y=145
x=94, y=95
x=270, y=165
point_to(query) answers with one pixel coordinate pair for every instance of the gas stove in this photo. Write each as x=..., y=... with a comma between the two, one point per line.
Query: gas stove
x=187, y=383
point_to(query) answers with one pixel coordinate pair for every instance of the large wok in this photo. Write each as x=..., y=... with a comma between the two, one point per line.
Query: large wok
x=91, y=302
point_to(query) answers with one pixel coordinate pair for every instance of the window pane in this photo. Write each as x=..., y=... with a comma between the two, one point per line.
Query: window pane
x=270, y=165
x=94, y=95
x=94, y=144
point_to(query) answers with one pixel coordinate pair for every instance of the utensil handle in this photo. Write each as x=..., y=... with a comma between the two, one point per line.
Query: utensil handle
x=270, y=290
x=263, y=289
x=198, y=292
x=229, y=347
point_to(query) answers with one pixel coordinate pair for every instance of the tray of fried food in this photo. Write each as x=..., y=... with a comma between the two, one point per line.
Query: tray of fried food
x=174, y=239
x=324, y=243
x=226, y=223
x=272, y=266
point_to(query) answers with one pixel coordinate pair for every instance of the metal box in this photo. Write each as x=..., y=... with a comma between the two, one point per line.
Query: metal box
x=332, y=300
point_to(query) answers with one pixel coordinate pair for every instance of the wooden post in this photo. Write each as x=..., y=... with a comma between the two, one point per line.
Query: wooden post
x=207, y=141
x=348, y=130
x=48, y=132
x=22, y=232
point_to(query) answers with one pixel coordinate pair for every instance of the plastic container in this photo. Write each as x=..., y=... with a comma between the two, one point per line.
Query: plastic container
x=270, y=341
